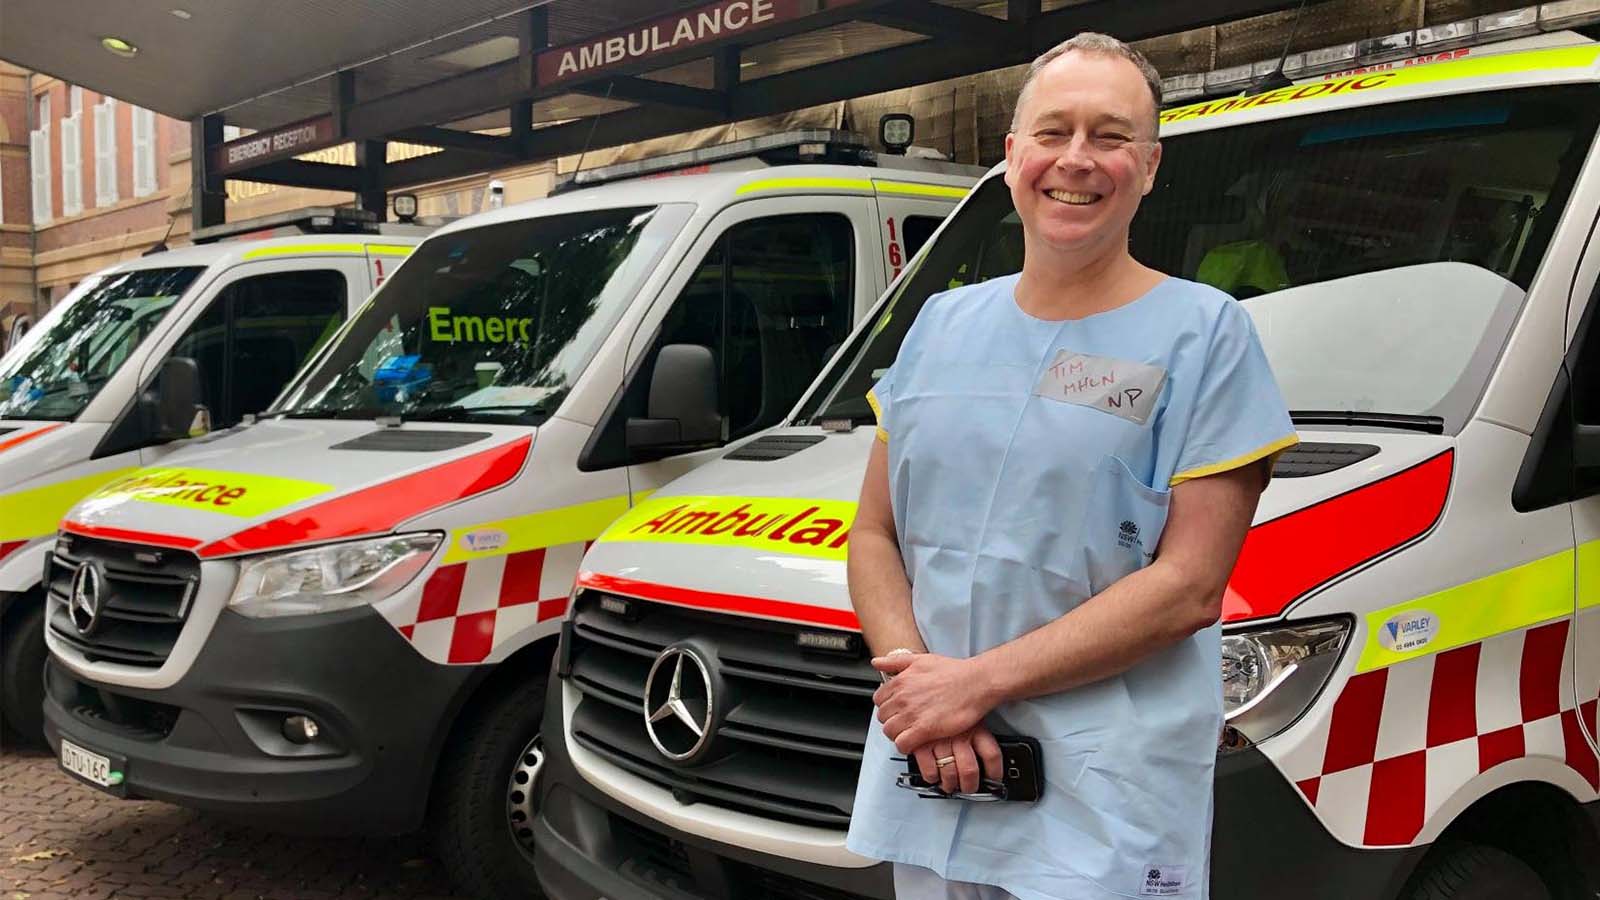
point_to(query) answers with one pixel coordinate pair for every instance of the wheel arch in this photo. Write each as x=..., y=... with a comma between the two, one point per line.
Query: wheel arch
x=530, y=661
x=1539, y=824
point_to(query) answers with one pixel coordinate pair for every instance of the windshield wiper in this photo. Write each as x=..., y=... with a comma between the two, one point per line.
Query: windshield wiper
x=465, y=413
x=1428, y=424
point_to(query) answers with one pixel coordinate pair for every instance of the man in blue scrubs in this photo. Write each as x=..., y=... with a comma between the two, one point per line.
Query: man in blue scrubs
x=1069, y=460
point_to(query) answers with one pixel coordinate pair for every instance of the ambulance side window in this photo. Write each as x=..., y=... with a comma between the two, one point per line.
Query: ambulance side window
x=917, y=230
x=256, y=334
x=770, y=300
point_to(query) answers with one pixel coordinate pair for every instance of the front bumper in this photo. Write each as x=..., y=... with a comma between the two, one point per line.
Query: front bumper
x=1267, y=845
x=214, y=740
x=589, y=847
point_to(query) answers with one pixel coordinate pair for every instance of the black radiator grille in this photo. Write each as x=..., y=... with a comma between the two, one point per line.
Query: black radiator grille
x=790, y=744
x=145, y=599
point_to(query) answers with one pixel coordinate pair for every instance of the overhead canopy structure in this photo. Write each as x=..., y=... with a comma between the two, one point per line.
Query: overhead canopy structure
x=546, y=79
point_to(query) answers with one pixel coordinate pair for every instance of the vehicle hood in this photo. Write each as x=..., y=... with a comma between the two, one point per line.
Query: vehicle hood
x=44, y=467
x=284, y=482
x=696, y=542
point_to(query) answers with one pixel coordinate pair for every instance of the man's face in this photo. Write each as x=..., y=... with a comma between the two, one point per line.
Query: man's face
x=1083, y=153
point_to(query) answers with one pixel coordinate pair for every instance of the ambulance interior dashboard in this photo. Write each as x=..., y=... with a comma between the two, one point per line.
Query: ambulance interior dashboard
x=1382, y=252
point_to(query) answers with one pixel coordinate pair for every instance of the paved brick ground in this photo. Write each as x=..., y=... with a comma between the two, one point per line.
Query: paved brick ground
x=60, y=840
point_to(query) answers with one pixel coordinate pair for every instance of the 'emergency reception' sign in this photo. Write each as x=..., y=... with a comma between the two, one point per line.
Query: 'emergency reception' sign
x=696, y=26
x=790, y=525
x=279, y=143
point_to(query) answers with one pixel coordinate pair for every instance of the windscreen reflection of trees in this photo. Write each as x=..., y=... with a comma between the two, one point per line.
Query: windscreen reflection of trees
x=546, y=277
x=73, y=360
x=575, y=270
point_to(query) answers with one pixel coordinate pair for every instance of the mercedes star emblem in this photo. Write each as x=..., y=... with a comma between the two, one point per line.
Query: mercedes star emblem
x=679, y=704
x=84, y=604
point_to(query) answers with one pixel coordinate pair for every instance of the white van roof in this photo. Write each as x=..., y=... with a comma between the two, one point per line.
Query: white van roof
x=230, y=252
x=717, y=189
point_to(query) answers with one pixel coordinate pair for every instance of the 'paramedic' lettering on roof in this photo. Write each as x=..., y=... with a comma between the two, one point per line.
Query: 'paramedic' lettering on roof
x=229, y=493
x=699, y=25
x=1282, y=95
x=798, y=527
x=1549, y=60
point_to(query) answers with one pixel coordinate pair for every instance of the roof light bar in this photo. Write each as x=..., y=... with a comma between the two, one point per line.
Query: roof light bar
x=810, y=143
x=1489, y=29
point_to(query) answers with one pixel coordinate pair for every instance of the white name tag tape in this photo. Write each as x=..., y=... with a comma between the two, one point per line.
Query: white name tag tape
x=1117, y=386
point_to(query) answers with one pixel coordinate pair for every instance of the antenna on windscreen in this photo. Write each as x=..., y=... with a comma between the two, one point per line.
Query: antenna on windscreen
x=593, y=121
x=1276, y=79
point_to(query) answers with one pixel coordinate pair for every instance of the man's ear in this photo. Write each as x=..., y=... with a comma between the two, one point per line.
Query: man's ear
x=1151, y=169
x=1011, y=142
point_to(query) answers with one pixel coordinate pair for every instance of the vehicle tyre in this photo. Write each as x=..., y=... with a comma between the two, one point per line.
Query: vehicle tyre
x=22, y=658
x=1476, y=872
x=483, y=806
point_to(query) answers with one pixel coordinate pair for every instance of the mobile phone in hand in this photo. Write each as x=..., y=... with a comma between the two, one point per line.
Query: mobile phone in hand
x=1022, y=779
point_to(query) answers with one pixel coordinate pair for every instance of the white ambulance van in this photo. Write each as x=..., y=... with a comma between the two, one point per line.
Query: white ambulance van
x=1411, y=639
x=339, y=616
x=111, y=378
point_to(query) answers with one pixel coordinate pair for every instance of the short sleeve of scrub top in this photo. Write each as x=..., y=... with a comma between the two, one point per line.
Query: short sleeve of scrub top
x=1227, y=428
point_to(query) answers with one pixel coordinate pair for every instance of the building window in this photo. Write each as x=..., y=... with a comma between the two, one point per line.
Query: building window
x=39, y=162
x=72, y=154
x=144, y=152
x=105, y=152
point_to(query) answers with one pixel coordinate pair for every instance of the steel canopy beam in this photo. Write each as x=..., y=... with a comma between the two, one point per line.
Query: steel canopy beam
x=299, y=173
x=437, y=167
x=450, y=138
x=935, y=20
x=656, y=93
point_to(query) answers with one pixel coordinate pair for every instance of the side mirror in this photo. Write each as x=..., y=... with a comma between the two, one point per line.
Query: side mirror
x=172, y=406
x=683, y=403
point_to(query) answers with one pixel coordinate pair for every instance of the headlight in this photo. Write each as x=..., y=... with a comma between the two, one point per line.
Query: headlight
x=1270, y=676
x=324, y=579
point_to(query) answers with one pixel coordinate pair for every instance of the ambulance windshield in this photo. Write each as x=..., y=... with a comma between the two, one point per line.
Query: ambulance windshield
x=489, y=324
x=1383, y=252
x=61, y=365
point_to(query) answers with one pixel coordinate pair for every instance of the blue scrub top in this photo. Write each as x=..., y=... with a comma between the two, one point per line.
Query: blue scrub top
x=1029, y=469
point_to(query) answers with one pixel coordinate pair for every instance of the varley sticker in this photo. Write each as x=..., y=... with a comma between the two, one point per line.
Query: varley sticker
x=1408, y=631
x=1164, y=881
x=483, y=540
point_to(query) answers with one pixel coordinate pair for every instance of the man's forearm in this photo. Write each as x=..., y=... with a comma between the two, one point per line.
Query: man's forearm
x=881, y=594
x=1136, y=617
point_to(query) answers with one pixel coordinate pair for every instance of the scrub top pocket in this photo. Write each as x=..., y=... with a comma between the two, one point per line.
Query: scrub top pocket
x=1122, y=523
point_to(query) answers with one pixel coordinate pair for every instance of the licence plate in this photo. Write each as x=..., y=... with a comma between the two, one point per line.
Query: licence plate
x=91, y=767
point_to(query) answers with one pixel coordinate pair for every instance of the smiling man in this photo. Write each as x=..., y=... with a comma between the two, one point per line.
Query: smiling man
x=1070, y=459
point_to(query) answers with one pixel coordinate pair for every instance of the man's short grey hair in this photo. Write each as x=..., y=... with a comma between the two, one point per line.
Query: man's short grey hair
x=1104, y=45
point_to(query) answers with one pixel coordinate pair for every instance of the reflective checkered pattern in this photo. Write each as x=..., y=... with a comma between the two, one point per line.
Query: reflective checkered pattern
x=468, y=610
x=1401, y=741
